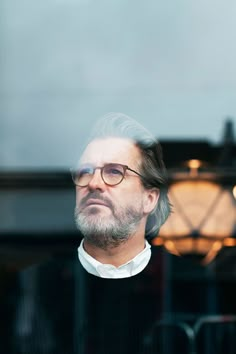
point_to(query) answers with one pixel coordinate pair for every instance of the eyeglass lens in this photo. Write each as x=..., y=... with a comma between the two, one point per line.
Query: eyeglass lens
x=112, y=174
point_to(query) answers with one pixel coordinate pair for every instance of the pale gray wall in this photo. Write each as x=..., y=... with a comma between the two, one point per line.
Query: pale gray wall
x=170, y=64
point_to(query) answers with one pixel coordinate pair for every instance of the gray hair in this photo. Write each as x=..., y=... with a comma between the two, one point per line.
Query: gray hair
x=152, y=166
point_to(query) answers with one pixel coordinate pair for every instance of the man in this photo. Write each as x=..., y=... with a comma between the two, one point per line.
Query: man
x=121, y=197
x=121, y=202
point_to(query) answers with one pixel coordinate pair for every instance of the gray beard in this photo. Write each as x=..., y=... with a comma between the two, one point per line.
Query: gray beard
x=108, y=233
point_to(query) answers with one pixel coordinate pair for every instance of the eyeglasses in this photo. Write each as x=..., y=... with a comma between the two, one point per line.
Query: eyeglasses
x=111, y=173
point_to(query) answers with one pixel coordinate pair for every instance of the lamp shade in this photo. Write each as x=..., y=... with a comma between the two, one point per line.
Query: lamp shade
x=203, y=216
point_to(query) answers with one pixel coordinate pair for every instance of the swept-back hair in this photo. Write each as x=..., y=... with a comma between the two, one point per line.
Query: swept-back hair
x=152, y=166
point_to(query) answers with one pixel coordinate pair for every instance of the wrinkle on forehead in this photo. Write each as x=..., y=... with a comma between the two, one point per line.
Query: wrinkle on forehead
x=111, y=149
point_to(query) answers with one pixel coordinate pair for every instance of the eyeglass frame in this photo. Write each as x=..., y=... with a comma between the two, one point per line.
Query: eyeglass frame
x=125, y=168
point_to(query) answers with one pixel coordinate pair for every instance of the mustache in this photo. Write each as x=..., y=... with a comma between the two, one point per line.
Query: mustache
x=98, y=196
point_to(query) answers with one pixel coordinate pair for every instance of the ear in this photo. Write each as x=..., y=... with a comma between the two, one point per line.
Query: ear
x=151, y=200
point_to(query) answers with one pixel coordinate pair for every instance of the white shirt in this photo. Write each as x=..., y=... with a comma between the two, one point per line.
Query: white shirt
x=130, y=268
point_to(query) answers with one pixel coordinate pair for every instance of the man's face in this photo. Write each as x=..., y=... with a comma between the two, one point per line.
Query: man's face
x=108, y=215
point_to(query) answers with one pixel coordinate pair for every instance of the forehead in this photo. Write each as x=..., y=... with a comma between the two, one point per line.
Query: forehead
x=111, y=149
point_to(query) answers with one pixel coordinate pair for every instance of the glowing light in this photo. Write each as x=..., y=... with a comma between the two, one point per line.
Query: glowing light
x=194, y=164
x=202, y=221
x=234, y=191
x=229, y=242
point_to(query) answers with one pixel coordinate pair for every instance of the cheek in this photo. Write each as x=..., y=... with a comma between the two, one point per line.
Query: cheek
x=129, y=197
x=79, y=194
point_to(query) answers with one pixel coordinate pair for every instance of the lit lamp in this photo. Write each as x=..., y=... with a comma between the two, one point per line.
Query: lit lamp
x=204, y=214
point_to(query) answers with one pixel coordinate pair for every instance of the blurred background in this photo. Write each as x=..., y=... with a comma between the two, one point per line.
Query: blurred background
x=66, y=63
x=171, y=66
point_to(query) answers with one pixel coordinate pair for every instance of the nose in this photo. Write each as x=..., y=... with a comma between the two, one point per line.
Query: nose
x=96, y=182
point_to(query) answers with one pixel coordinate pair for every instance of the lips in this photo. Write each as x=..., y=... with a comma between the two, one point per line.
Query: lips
x=95, y=202
x=95, y=199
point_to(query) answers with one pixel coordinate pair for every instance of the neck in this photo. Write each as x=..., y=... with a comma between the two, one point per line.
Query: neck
x=117, y=255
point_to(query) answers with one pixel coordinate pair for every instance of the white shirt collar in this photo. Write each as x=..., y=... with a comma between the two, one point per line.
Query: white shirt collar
x=130, y=268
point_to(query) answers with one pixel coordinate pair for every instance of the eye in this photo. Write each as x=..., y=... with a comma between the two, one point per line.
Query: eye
x=114, y=170
x=85, y=170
